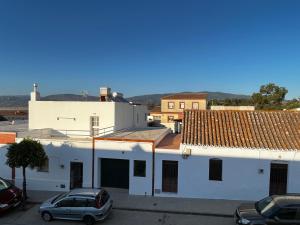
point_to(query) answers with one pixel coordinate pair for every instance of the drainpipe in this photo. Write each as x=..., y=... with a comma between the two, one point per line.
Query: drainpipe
x=93, y=162
x=153, y=166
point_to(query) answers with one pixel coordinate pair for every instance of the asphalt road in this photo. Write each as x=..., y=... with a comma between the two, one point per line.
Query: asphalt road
x=117, y=217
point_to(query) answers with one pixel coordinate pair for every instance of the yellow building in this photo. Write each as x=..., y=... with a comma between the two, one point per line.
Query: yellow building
x=172, y=107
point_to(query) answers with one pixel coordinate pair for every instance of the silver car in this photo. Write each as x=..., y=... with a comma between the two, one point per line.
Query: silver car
x=88, y=205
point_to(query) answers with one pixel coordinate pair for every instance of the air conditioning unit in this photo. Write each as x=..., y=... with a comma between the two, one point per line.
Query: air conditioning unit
x=186, y=153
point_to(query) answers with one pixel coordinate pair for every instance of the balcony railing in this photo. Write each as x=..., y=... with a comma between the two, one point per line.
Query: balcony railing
x=94, y=132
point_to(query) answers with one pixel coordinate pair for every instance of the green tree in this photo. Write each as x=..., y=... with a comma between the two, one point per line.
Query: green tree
x=27, y=153
x=270, y=96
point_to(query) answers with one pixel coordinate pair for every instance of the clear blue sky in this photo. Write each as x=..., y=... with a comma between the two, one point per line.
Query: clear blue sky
x=140, y=47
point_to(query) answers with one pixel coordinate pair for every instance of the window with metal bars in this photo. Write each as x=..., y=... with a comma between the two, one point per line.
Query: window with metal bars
x=215, y=169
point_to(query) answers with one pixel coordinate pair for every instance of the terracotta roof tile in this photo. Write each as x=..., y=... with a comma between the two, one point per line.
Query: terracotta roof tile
x=249, y=129
x=186, y=96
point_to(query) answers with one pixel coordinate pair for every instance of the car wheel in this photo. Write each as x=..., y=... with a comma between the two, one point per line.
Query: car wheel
x=88, y=220
x=46, y=216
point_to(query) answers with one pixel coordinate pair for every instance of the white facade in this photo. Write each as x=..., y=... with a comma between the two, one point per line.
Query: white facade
x=242, y=178
x=76, y=116
x=245, y=172
x=130, y=151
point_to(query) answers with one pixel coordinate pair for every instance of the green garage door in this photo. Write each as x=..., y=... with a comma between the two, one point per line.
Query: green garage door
x=115, y=173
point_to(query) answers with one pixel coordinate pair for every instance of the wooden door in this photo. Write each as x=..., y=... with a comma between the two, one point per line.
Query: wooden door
x=278, y=179
x=169, y=176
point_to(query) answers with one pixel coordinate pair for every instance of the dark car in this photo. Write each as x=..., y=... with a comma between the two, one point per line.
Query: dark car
x=275, y=209
x=10, y=195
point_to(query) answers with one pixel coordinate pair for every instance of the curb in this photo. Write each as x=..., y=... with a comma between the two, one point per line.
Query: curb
x=175, y=212
x=162, y=211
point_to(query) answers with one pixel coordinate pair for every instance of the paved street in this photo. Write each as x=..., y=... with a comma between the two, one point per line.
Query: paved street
x=118, y=217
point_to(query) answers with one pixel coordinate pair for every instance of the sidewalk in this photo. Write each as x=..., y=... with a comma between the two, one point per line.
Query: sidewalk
x=123, y=201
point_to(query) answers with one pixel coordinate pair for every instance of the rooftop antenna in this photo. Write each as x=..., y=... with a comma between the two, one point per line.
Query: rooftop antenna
x=35, y=86
x=84, y=94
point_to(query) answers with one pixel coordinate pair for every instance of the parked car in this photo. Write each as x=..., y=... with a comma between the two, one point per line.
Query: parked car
x=10, y=195
x=276, y=209
x=88, y=205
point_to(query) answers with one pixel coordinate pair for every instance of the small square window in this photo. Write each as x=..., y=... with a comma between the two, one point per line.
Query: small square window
x=171, y=105
x=45, y=167
x=139, y=168
x=181, y=105
x=195, y=105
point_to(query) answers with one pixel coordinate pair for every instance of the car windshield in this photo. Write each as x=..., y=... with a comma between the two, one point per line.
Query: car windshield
x=4, y=184
x=264, y=206
x=59, y=197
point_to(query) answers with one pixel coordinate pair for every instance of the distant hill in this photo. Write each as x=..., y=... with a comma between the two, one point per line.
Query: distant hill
x=70, y=97
x=153, y=99
x=22, y=100
x=14, y=101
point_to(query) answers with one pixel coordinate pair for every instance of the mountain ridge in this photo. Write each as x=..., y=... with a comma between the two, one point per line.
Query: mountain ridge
x=150, y=99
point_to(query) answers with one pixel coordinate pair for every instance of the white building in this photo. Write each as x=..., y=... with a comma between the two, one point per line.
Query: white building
x=220, y=154
x=112, y=112
x=238, y=154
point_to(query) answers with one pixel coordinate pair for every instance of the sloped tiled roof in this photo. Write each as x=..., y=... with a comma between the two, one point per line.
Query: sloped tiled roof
x=249, y=129
x=156, y=109
x=185, y=96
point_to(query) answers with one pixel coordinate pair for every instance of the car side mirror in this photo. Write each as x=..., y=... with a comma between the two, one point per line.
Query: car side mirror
x=57, y=205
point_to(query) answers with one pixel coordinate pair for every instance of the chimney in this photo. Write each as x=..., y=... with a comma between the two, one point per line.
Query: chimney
x=105, y=94
x=35, y=95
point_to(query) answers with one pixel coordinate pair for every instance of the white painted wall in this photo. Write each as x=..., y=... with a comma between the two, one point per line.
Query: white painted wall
x=64, y=152
x=72, y=115
x=127, y=115
x=130, y=151
x=241, y=179
x=66, y=115
x=59, y=153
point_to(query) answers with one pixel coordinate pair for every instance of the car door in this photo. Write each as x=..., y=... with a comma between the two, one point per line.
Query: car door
x=78, y=208
x=62, y=209
x=285, y=216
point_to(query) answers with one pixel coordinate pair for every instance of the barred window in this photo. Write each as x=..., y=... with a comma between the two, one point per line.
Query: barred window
x=139, y=168
x=215, y=169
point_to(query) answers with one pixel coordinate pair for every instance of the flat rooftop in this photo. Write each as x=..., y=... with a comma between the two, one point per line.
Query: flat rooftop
x=22, y=131
x=20, y=127
x=146, y=134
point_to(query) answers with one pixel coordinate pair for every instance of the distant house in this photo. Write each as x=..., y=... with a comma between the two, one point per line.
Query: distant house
x=172, y=107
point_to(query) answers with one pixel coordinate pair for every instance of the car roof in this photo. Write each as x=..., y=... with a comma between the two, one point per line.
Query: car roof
x=85, y=192
x=291, y=200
